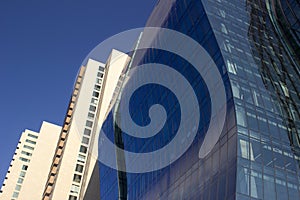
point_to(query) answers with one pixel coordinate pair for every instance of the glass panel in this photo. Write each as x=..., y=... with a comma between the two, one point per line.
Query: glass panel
x=77, y=178
x=85, y=140
x=18, y=187
x=241, y=116
x=33, y=136
x=269, y=187
x=81, y=158
x=256, y=185
x=83, y=149
x=79, y=168
x=243, y=180
x=74, y=189
x=87, y=132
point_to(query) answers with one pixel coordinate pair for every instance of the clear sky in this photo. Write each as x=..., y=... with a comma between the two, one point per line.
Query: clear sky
x=42, y=44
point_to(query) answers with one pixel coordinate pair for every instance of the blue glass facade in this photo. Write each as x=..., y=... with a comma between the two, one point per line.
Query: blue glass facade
x=258, y=154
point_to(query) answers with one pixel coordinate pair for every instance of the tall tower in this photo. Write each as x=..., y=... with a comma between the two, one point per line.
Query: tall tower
x=255, y=47
x=74, y=162
x=29, y=166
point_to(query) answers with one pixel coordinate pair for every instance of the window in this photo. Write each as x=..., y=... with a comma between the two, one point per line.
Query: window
x=87, y=132
x=258, y=101
x=241, y=116
x=270, y=187
x=93, y=108
x=252, y=120
x=24, y=159
x=243, y=180
x=96, y=94
x=285, y=89
x=101, y=69
x=97, y=87
x=89, y=123
x=256, y=184
x=30, y=141
x=243, y=149
x=26, y=153
x=28, y=147
x=81, y=158
x=15, y=194
x=74, y=189
x=20, y=180
x=236, y=90
x=91, y=115
x=22, y=174
x=98, y=80
x=24, y=167
x=18, y=187
x=100, y=74
x=79, y=168
x=33, y=136
x=85, y=140
x=71, y=197
x=83, y=149
x=223, y=28
x=231, y=67
x=94, y=101
x=77, y=178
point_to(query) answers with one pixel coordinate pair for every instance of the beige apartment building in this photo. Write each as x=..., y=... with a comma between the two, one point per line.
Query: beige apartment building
x=29, y=166
x=71, y=170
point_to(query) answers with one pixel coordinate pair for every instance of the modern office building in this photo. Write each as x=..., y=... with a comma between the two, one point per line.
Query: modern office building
x=255, y=46
x=29, y=167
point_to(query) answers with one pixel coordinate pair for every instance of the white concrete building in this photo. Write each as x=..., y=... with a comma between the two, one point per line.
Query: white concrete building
x=74, y=168
x=30, y=165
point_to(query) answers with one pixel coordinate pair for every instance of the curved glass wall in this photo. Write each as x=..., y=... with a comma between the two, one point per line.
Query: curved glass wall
x=257, y=154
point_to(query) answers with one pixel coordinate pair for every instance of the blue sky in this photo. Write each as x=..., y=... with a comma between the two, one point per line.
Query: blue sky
x=42, y=44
